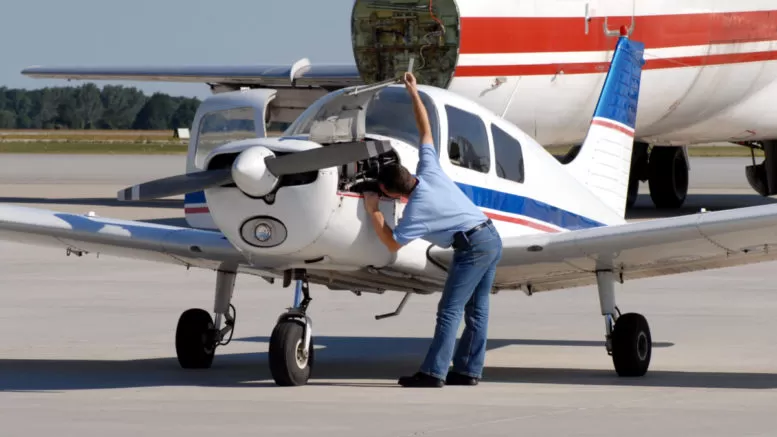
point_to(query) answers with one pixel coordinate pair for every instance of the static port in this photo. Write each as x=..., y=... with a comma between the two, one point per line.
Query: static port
x=386, y=34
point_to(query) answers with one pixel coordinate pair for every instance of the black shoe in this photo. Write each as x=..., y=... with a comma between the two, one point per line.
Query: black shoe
x=420, y=379
x=459, y=379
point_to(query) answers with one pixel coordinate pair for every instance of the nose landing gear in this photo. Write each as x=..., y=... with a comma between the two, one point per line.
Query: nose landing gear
x=291, y=353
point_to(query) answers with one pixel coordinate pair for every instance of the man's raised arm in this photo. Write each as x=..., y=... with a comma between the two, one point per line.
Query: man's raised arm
x=421, y=117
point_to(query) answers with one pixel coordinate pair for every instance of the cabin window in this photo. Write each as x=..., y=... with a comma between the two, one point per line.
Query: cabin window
x=508, y=154
x=221, y=127
x=467, y=140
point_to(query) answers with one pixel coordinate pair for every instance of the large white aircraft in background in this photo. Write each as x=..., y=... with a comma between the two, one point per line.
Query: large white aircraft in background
x=291, y=208
x=711, y=72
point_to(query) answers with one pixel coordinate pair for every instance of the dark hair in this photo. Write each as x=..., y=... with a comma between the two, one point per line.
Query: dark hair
x=397, y=179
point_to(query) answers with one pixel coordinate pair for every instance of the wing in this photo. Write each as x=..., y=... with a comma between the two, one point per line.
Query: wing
x=637, y=250
x=128, y=239
x=301, y=74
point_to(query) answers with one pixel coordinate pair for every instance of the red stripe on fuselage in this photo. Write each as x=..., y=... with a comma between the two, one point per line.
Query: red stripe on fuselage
x=514, y=220
x=566, y=34
x=499, y=217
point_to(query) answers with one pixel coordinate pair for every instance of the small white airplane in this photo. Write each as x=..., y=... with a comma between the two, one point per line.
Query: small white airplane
x=709, y=74
x=291, y=208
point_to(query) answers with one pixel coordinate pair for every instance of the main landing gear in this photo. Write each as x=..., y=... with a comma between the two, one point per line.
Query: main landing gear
x=198, y=335
x=665, y=169
x=628, y=338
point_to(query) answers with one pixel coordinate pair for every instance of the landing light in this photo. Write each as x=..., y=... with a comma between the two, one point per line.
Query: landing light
x=263, y=232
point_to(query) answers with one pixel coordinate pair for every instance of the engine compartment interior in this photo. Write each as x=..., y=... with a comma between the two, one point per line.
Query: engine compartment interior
x=386, y=34
x=361, y=176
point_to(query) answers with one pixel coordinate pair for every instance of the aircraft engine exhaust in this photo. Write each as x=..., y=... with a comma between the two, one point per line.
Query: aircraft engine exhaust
x=250, y=173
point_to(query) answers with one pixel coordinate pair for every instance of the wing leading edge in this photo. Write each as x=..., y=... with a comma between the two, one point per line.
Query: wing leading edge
x=301, y=74
x=127, y=239
x=637, y=250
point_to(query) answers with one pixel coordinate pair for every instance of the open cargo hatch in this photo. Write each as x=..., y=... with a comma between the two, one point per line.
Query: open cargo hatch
x=387, y=33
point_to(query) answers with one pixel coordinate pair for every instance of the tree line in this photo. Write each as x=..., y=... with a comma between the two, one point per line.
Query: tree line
x=89, y=107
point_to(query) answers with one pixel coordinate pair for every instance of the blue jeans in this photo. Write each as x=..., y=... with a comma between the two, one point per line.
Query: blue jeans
x=467, y=292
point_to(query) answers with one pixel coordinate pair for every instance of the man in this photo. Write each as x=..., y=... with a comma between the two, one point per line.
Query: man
x=439, y=212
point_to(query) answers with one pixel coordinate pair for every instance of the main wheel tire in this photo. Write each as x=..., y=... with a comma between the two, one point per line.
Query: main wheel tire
x=668, y=176
x=632, y=345
x=288, y=365
x=194, y=339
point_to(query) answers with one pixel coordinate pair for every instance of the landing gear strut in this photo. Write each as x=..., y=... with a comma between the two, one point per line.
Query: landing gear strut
x=291, y=343
x=628, y=338
x=198, y=335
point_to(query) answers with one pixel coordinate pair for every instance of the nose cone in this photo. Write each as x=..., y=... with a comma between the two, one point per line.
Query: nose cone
x=251, y=174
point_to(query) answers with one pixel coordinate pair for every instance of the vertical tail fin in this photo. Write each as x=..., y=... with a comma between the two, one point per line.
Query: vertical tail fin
x=604, y=161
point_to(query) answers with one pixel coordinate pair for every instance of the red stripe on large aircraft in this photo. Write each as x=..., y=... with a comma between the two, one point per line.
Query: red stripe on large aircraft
x=601, y=67
x=567, y=34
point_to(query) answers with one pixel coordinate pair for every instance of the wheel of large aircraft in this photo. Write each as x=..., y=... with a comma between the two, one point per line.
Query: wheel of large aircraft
x=194, y=339
x=288, y=364
x=668, y=176
x=633, y=192
x=632, y=345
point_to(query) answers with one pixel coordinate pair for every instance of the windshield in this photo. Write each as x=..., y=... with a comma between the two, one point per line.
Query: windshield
x=389, y=113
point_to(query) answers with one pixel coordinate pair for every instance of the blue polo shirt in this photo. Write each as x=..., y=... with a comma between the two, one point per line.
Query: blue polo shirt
x=437, y=208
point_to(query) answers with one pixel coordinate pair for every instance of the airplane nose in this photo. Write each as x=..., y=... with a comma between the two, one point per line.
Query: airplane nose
x=250, y=173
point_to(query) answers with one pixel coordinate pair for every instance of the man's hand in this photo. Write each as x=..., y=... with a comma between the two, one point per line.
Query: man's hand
x=410, y=82
x=371, y=201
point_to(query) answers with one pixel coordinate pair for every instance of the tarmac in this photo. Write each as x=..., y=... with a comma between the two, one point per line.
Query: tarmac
x=89, y=348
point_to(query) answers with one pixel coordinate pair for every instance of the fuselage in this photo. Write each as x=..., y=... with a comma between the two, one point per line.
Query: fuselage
x=710, y=71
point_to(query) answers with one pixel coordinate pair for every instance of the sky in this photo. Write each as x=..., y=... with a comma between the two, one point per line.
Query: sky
x=168, y=32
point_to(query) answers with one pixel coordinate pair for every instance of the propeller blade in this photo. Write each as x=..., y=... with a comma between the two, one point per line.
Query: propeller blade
x=324, y=157
x=176, y=185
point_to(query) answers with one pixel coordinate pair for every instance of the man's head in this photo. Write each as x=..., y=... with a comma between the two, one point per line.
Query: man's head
x=396, y=181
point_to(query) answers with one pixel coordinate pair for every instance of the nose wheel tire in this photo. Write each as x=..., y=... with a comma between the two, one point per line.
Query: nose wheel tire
x=632, y=345
x=289, y=364
x=195, y=342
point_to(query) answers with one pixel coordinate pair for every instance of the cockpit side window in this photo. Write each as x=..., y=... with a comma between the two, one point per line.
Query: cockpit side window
x=467, y=140
x=220, y=127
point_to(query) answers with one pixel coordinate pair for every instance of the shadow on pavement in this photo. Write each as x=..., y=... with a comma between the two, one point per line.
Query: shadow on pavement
x=340, y=361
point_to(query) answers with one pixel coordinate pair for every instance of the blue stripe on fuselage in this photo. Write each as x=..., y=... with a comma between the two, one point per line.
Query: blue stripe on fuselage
x=528, y=207
x=192, y=198
x=501, y=202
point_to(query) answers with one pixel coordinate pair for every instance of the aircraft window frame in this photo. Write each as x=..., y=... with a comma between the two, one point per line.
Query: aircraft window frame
x=207, y=143
x=301, y=126
x=521, y=163
x=483, y=143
